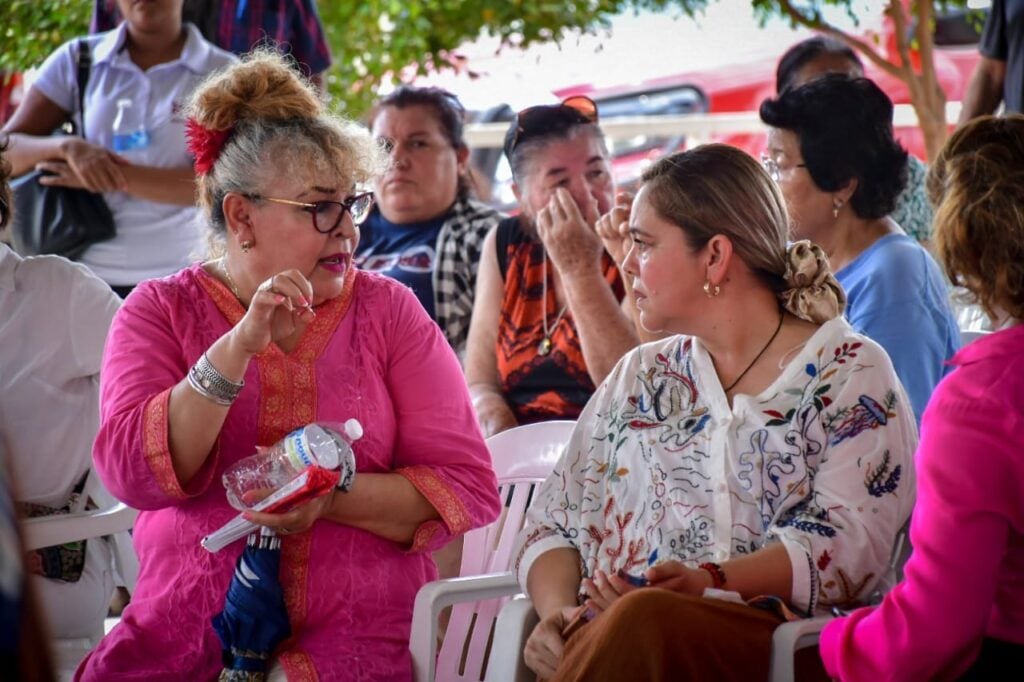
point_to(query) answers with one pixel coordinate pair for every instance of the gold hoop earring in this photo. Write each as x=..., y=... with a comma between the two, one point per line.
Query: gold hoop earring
x=711, y=290
x=247, y=245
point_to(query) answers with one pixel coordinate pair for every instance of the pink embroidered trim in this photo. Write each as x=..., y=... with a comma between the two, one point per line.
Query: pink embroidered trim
x=444, y=499
x=154, y=444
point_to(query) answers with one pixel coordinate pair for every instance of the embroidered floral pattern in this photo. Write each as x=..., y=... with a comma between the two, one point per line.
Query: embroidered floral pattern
x=661, y=467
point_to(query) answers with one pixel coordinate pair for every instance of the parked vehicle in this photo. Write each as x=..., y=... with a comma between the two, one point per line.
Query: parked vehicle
x=731, y=89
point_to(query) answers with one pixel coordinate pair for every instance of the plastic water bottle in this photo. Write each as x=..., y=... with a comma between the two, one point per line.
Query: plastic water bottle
x=129, y=129
x=324, y=444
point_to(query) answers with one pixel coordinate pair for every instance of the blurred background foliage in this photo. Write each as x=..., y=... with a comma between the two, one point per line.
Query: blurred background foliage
x=376, y=41
x=32, y=29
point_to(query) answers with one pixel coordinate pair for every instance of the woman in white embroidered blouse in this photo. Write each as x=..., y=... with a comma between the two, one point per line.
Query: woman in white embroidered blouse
x=764, y=450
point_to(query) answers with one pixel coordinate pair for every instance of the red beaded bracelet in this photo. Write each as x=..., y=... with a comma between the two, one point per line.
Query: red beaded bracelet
x=717, y=574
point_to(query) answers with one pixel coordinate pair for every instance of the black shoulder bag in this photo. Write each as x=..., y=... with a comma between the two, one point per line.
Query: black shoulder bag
x=60, y=220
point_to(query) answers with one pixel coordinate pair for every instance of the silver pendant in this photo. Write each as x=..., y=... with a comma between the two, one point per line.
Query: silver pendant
x=544, y=347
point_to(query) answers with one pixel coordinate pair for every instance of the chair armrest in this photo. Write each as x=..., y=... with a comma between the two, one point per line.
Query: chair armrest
x=434, y=597
x=790, y=638
x=516, y=621
x=46, y=531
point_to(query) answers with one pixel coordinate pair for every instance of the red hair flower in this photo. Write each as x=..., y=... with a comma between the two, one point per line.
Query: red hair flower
x=204, y=144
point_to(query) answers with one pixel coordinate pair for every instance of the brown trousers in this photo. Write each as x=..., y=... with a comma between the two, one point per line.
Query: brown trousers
x=657, y=635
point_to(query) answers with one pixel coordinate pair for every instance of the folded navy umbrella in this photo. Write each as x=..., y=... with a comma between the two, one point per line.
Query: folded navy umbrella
x=254, y=619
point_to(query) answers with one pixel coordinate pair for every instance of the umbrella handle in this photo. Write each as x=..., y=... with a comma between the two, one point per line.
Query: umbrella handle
x=234, y=529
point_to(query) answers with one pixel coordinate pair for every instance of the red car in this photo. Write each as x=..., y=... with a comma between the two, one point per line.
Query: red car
x=736, y=88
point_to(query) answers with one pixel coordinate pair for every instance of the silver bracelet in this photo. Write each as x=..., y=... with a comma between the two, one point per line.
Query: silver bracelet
x=211, y=384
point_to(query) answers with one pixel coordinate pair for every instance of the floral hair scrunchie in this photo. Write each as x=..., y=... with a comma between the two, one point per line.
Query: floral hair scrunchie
x=204, y=144
x=814, y=294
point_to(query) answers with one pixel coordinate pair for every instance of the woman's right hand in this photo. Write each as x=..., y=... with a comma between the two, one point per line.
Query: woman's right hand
x=494, y=414
x=279, y=306
x=98, y=169
x=543, y=651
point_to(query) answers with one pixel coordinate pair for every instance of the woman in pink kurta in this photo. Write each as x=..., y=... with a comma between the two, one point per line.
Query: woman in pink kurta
x=361, y=347
x=959, y=612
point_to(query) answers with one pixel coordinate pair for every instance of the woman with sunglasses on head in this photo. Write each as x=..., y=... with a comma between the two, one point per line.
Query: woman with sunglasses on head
x=762, y=449
x=424, y=229
x=831, y=149
x=551, y=316
x=286, y=332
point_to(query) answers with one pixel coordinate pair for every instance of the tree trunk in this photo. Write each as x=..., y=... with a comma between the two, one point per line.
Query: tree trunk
x=931, y=116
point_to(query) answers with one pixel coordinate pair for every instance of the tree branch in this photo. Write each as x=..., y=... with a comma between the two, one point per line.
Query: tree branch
x=858, y=44
x=899, y=29
x=926, y=48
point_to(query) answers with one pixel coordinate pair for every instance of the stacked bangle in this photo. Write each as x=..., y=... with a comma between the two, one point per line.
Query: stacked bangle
x=211, y=384
x=716, y=572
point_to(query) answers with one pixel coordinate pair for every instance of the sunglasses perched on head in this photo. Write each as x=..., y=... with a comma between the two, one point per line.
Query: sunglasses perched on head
x=538, y=119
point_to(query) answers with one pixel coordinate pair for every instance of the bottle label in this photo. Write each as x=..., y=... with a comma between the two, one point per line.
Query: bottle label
x=132, y=141
x=296, y=444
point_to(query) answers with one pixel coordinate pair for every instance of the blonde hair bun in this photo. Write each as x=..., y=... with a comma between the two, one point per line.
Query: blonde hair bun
x=263, y=86
x=813, y=293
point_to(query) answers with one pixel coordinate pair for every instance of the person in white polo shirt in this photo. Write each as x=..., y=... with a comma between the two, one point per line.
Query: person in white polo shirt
x=144, y=69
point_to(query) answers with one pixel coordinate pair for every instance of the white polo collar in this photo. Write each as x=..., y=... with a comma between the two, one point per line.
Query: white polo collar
x=194, y=54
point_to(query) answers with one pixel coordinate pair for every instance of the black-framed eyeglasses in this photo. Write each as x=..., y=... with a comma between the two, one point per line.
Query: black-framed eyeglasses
x=538, y=119
x=327, y=215
x=773, y=168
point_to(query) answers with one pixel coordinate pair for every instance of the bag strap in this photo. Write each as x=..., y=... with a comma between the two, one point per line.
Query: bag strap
x=84, y=64
x=502, y=239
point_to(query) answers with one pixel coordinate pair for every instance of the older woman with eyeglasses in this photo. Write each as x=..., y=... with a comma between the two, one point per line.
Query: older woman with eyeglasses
x=288, y=332
x=551, y=317
x=831, y=149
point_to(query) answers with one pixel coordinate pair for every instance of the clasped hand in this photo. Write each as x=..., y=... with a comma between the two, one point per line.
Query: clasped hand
x=85, y=166
x=279, y=307
x=296, y=520
x=546, y=644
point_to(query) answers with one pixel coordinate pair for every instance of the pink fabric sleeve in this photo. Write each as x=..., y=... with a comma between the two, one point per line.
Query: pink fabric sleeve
x=930, y=625
x=438, y=444
x=142, y=362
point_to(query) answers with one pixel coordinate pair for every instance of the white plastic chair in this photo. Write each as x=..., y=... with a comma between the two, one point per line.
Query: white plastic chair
x=791, y=637
x=111, y=518
x=522, y=458
x=517, y=620
x=969, y=335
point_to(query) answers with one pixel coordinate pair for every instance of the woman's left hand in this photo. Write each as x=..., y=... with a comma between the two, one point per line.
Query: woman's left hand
x=604, y=589
x=297, y=520
x=613, y=228
x=672, y=575
x=60, y=174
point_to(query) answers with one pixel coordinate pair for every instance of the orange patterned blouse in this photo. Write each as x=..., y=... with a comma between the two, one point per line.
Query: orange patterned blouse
x=542, y=377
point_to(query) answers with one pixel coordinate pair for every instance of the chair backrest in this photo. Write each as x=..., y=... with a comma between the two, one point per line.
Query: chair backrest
x=968, y=335
x=522, y=458
x=110, y=519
